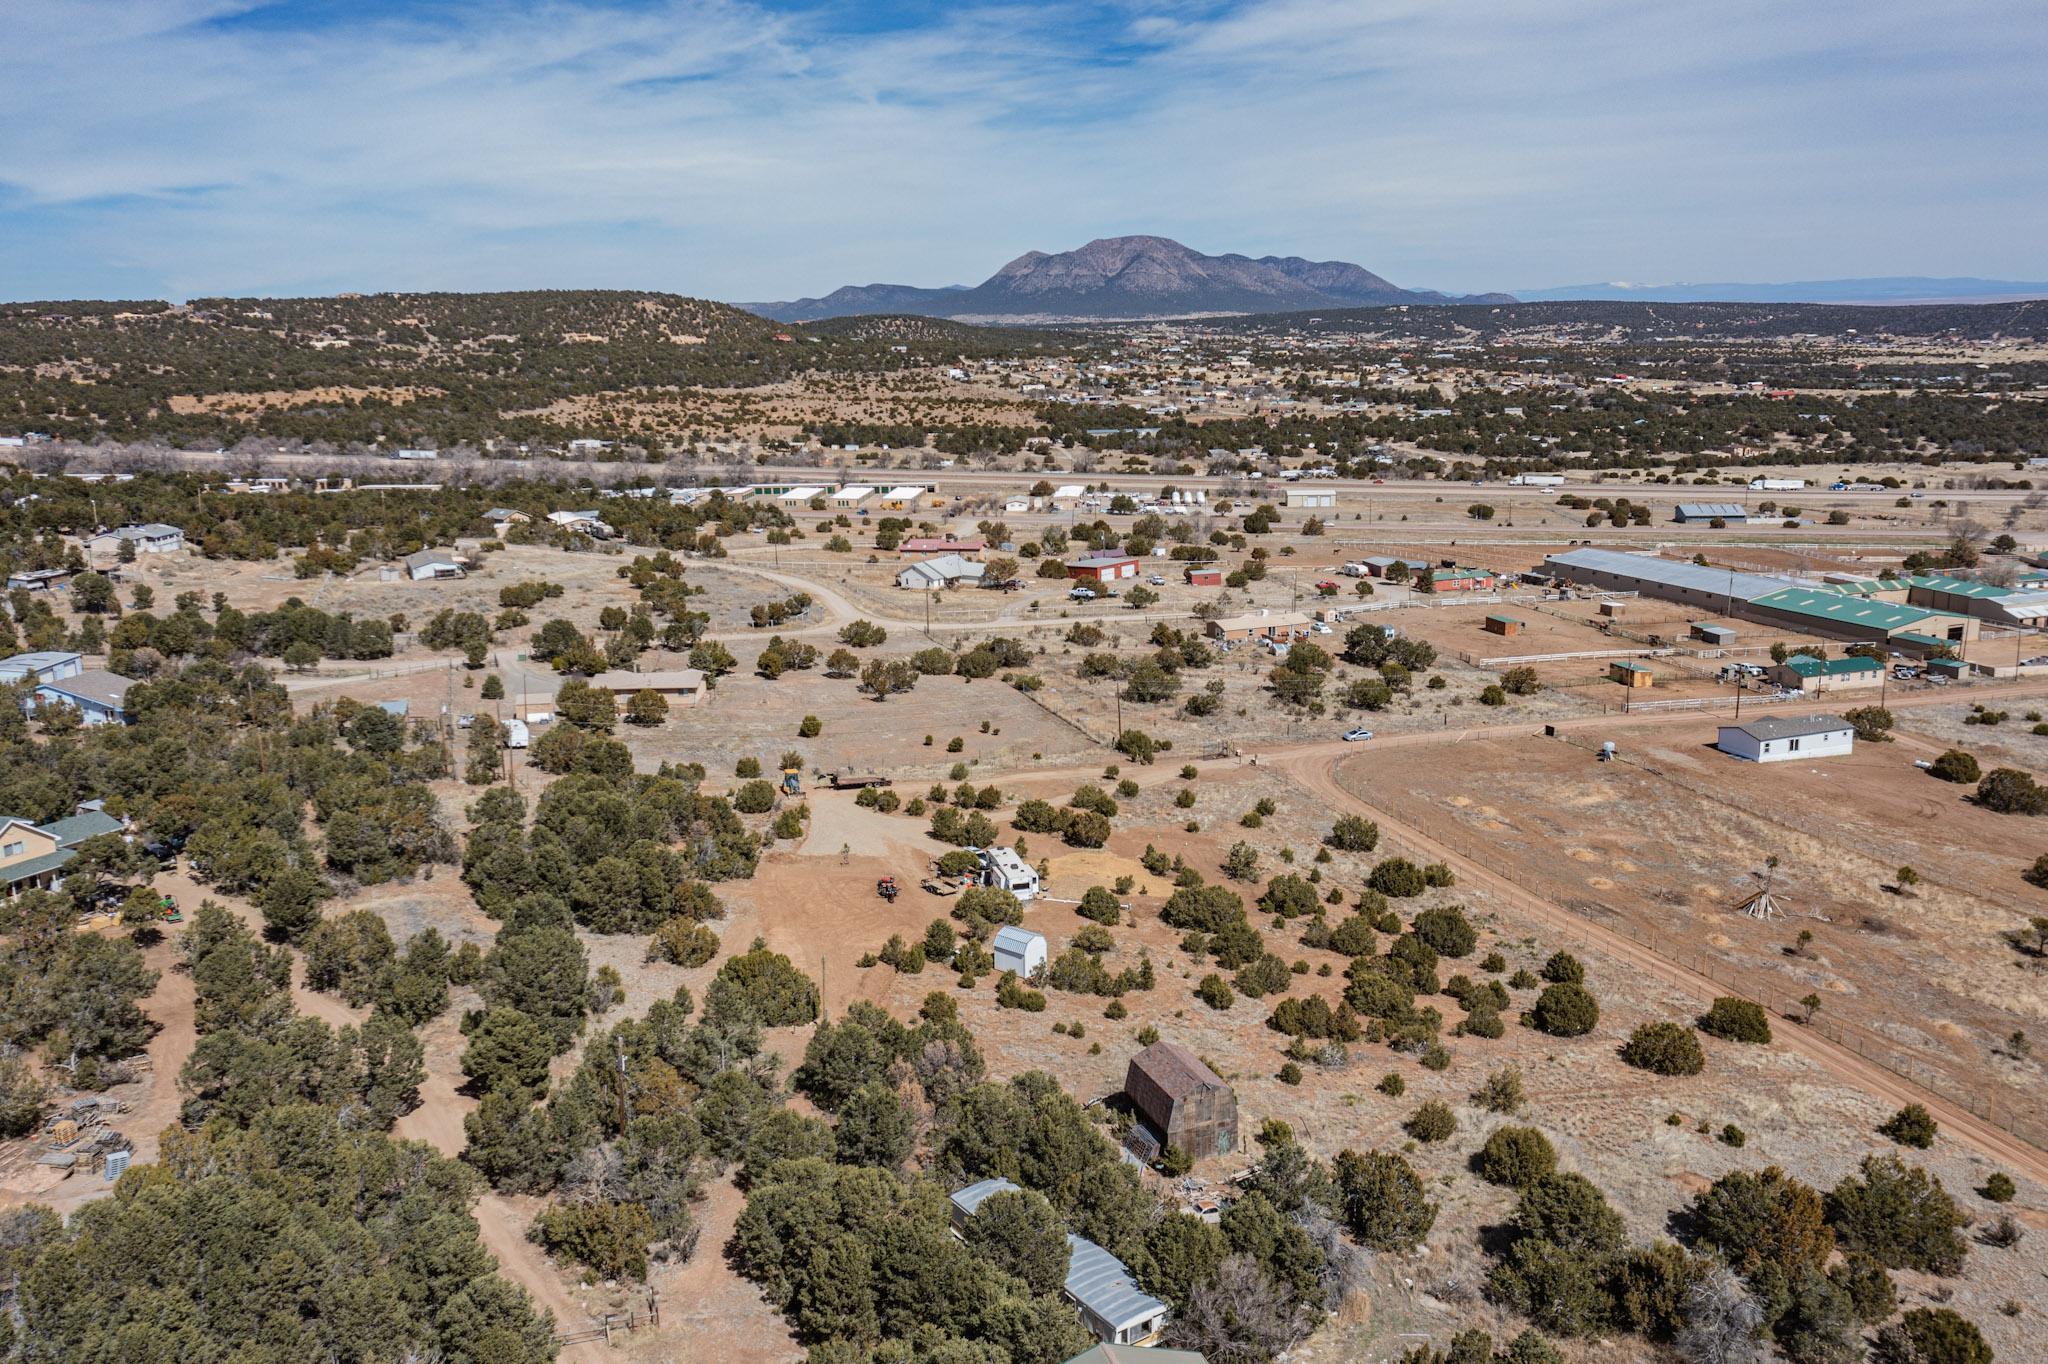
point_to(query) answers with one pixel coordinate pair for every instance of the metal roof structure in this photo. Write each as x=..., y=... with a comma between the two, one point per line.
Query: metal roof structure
x=15, y=667
x=1102, y=1284
x=1806, y=665
x=970, y=1199
x=1792, y=727
x=1136, y=1354
x=1833, y=606
x=1707, y=511
x=1014, y=940
x=1957, y=587
x=1654, y=568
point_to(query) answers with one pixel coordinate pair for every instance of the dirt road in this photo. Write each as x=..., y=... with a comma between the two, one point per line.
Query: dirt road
x=1316, y=771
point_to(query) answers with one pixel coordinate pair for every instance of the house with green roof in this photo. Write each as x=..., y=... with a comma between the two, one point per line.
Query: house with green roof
x=33, y=856
x=1804, y=672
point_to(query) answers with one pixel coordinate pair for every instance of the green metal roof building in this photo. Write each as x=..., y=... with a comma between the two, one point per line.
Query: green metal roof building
x=1825, y=612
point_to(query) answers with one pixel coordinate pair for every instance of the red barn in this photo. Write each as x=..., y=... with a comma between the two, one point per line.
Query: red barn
x=1205, y=576
x=1102, y=568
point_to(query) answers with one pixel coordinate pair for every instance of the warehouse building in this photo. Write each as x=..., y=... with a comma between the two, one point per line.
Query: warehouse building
x=1705, y=513
x=1652, y=575
x=1825, y=612
x=1839, y=612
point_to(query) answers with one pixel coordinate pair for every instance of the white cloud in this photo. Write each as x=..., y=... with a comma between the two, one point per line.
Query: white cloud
x=714, y=147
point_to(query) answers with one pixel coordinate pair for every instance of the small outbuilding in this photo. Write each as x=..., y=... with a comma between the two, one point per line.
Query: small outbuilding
x=1778, y=739
x=1502, y=625
x=1204, y=575
x=1185, y=1103
x=1708, y=633
x=1018, y=949
x=1630, y=674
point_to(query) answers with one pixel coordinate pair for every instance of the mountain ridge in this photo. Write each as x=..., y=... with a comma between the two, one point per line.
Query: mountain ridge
x=1124, y=278
x=1876, y=289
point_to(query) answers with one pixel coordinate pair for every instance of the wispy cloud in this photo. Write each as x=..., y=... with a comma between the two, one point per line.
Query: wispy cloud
x=757, y=148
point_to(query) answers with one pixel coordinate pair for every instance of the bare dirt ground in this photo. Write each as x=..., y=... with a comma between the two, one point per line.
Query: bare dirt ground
x=1671, y=847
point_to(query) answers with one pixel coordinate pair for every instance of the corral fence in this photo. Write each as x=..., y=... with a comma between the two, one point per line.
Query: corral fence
x=647, y=1315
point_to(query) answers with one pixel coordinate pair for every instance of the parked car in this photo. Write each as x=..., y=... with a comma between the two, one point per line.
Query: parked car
x=1356, y=736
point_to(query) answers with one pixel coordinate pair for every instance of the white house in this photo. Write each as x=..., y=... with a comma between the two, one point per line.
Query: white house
x=428, y=564
x=1002, y=867
x=586, y=522
x=1018, y=949
x=1788, y=739
x=943, y=571
x=152, y=538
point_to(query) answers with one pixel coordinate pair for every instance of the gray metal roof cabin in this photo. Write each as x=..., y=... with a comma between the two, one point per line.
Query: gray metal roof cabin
x=1183, y=1100
x=1112, y=1305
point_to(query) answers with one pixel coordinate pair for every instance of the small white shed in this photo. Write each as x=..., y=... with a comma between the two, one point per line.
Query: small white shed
x=1019, y=950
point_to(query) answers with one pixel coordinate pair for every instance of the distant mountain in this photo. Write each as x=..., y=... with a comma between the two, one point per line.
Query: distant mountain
x=1124, y=278
x=1893, y=289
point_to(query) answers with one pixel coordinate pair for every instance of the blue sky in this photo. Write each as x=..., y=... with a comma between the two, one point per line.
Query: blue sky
x=754, y=149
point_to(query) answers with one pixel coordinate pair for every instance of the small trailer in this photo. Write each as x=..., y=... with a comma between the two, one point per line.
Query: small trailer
x=854, y=781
